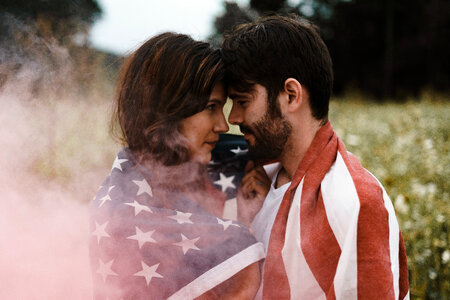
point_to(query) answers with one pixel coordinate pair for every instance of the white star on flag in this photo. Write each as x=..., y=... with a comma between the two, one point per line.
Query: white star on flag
x=143, y=187
x=100, y=231
x=148, y=272
x=118, y=163
x=104, y=199
x=139, y=207
x=226, y=223
x=142, y=237
x=182, y=217
x=110, y=188
x=225, y=182
x=187, y=244
x=238, y=150
x=105, y=269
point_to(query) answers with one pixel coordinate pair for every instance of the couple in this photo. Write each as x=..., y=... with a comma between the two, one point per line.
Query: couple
x=323, y=226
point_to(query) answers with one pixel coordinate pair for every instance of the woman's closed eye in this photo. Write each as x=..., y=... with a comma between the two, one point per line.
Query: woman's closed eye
x=211, y=106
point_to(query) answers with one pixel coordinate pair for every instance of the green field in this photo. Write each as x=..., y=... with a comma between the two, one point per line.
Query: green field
x=406, y=146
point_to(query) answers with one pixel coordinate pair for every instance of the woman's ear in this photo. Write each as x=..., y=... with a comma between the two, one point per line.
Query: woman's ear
x=294, y=91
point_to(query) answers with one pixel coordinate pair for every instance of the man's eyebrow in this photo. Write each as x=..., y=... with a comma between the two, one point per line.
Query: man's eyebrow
x=232, y=96
x=237, y=95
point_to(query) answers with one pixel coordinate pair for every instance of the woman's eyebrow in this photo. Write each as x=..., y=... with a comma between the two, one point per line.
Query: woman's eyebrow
x=217, y=100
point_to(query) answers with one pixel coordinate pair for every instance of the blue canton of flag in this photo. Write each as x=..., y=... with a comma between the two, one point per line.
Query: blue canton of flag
x=226, y=168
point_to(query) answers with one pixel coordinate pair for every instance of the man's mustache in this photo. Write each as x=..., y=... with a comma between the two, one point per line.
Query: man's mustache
x=245, y=129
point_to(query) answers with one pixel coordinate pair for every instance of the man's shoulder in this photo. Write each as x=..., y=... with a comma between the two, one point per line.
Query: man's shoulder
x=348, y=179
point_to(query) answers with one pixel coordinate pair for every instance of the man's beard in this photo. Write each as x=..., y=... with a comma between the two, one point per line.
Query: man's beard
x=271, y=135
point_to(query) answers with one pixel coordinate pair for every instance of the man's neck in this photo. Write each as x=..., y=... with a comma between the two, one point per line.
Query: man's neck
x=297, y=146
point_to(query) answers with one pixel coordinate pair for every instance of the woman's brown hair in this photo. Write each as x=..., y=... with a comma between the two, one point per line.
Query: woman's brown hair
x=169, y=78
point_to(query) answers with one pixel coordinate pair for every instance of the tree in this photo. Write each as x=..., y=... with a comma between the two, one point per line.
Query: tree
x=232, y=16
x=386, y=48
x=41, y=37
x=60, y=19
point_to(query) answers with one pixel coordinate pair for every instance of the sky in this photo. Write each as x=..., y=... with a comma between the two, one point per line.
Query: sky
x=125, y=25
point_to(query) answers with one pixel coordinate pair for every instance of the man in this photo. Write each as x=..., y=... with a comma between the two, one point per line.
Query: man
x=328, y=226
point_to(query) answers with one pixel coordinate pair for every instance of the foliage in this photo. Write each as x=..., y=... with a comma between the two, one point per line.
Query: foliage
x=390, y=48
x=232, y=16
x=57, y=19
x=50, y=52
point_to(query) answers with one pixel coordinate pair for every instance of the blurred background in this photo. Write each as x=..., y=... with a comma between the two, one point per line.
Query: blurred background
x=59, y=63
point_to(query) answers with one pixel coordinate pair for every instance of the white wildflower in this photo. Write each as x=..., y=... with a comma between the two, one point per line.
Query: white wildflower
x=445, y=256
x=353, y=140
x=419, y=189
x=407, y=225
x=431, y=188
x=440, y=218
x=428, y=144
x=427, y=252
x=432, y=274
x=401, y=205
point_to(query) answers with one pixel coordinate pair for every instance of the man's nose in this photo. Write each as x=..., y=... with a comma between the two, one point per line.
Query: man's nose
x=236, y=116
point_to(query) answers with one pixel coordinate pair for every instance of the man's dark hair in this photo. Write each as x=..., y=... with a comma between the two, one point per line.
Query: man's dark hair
x=272, y=49
x=169, y=78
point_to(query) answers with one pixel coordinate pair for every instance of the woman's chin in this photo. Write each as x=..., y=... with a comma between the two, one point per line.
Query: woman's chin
x=203, y=159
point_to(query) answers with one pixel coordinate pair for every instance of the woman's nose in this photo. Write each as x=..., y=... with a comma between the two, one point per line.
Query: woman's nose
x=221, y=124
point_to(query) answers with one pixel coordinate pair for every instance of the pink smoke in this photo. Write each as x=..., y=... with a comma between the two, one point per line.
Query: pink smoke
x=43, y=221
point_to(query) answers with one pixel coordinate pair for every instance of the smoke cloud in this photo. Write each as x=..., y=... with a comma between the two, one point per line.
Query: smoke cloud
x=55, y=151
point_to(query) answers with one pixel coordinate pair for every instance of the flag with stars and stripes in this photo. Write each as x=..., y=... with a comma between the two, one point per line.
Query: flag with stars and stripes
x=142, y=248
x=226, y=168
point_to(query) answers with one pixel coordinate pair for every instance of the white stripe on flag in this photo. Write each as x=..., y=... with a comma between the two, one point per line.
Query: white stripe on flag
x=302, y=282
x=220, y=273
x=342, y=208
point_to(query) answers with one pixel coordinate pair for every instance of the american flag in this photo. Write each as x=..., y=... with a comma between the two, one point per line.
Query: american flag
x=142, y=248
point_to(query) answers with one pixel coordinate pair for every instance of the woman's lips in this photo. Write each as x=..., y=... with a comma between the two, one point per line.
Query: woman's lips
x=212, y=144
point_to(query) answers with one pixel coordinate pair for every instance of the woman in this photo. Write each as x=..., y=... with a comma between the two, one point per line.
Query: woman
x=154, y=224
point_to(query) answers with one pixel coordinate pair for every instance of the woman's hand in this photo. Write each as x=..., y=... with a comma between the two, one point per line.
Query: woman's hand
x=251, y=194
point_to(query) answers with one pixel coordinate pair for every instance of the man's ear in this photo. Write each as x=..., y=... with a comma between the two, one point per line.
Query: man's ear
x=294, y=91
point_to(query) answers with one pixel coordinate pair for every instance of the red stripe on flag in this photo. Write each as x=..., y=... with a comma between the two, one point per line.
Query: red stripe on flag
x=375, y=279
x=319, y=157
x=319, y=245
x=404, y=283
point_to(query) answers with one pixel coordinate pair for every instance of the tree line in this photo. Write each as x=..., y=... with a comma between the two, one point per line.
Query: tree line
x=383, y=48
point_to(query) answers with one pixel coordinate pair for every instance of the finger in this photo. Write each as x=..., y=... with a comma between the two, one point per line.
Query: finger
x=261, y=172
x=258, y=178
x=253, y=188
x=249, y=166
x=256, y=172
x=246, y=188
x=262, y=177
x=259, y=189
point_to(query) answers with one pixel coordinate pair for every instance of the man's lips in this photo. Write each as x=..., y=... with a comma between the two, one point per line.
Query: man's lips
x=245, y=130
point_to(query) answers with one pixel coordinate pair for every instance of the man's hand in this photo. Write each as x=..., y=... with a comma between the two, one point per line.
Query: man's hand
x=251, y=194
